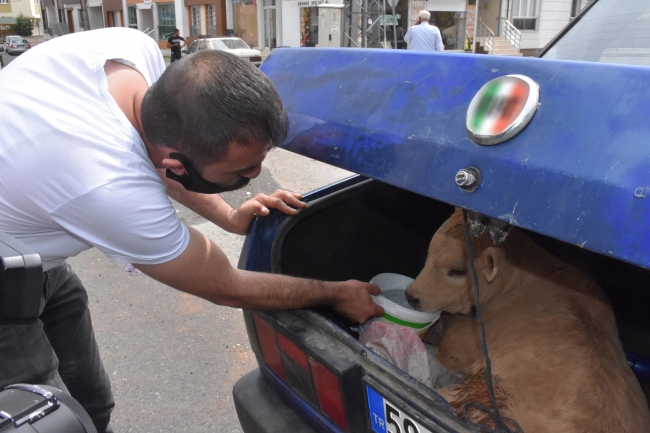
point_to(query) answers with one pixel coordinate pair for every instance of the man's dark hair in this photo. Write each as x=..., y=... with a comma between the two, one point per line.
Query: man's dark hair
x=176, y=30
x=210, y=100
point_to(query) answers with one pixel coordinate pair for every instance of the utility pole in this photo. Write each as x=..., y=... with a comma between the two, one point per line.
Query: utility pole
x=84, y=15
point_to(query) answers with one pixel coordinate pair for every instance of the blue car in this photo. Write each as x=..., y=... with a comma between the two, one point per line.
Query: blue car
x=570, y=167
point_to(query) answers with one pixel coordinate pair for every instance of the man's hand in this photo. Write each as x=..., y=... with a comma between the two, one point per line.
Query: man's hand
x=354, y=301
x=241, y=218
x=204, y=270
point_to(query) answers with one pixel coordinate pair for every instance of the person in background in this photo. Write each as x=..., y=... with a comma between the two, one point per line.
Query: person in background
x=424, y=37
x=174, y=42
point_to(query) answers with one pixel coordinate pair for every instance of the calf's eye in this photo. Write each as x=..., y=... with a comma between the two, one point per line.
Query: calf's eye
x=457, y=272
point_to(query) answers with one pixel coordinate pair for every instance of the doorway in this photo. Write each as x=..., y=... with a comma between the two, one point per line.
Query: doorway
x=70, y=21
x=145, y=22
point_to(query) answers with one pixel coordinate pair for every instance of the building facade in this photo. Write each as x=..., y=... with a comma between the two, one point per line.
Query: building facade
x=295, y=23
x=537, y=20
x=10, y=9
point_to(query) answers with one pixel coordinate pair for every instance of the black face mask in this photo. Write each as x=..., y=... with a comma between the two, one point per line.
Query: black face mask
x=193, y=181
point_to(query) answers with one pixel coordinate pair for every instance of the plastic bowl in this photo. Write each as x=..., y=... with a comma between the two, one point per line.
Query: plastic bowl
x=393, y=287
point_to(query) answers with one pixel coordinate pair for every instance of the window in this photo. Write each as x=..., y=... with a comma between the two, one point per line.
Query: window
x=202, y=45
x=232, y=44
x=195, y=23
x=4, y=2
x=133, y=17
x=193, y=47
x=245, y=20
x=524, y=14
x=211, y=20
x=166, y=20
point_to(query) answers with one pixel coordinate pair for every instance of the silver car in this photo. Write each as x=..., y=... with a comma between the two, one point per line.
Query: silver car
x=16, y=45
x=234, y=46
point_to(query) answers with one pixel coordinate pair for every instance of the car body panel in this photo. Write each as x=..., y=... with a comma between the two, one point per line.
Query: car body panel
x=575, y=173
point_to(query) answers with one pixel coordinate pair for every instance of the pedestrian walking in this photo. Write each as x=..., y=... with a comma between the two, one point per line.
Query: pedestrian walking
x=424, y=36
x=174, y=42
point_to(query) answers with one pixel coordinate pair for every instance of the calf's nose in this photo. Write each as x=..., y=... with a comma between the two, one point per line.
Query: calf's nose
x=415, y=302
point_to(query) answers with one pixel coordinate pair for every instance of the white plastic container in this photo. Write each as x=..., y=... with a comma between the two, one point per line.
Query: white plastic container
x=396, y=308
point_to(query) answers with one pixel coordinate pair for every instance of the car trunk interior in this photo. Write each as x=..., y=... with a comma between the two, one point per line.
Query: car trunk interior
x=372, y=227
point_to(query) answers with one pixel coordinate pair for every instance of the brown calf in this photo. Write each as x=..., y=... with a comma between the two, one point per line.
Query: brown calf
x=557, y=362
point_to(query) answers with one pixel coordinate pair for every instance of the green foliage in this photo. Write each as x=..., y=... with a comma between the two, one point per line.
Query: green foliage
x=24, y=25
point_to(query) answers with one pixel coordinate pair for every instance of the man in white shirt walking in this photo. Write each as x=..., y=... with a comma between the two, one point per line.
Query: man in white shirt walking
x=424, y=36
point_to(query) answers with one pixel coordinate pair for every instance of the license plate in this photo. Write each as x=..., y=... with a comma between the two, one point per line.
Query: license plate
x=386, y=417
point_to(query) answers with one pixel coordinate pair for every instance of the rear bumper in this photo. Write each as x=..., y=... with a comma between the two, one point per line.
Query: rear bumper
x=261, y=410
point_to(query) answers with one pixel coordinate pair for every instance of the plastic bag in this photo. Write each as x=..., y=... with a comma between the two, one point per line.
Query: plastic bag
x=401, y=346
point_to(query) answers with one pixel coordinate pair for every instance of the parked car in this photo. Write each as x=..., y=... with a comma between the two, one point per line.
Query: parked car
x=234, y=46
x=575, y=179
x=6, y=40
x=16, y=45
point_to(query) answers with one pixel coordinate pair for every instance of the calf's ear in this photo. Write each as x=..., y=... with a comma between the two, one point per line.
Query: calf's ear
x=492, y=259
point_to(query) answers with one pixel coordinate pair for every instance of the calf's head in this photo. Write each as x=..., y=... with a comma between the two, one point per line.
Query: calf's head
x=445, y=283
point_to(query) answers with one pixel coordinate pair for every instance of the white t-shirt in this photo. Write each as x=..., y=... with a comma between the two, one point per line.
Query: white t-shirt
x=74, y=172
x=424, y=37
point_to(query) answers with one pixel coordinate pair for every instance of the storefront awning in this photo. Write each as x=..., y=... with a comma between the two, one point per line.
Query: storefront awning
x=7, y=21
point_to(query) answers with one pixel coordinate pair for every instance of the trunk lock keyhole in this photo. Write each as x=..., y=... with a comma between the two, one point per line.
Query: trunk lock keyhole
x=468, y=179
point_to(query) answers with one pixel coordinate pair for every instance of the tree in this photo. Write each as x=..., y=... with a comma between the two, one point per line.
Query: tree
x=24, y=25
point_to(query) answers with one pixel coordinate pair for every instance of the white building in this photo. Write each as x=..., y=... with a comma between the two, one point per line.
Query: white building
x=537, y=20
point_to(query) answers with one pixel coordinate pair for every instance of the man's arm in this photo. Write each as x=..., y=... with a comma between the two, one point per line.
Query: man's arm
x=214, y=208
x=439, y=45
x=407, y=36
x=204, y=270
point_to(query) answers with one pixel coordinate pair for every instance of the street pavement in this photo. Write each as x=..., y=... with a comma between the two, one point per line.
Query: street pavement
x=173, y=358
x=6, y=59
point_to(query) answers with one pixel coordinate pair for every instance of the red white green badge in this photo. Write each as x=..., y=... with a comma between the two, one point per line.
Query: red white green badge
x=501, y=109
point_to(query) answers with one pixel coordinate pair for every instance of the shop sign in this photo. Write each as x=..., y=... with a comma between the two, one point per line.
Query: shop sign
x=416, y=7
x=303, y=3
x=389, y=19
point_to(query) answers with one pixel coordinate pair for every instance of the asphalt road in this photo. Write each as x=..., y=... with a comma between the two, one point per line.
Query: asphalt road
x=173, y=358
x=6, y=59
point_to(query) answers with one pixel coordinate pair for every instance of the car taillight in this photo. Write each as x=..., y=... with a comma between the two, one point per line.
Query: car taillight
x=328, y=391
x=255, y=59
x=12, y=46
x=268, y=345
x=29, y=45
x=302, y=373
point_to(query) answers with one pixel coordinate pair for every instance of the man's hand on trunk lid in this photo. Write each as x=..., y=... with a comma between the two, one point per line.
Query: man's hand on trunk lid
x=241, y=218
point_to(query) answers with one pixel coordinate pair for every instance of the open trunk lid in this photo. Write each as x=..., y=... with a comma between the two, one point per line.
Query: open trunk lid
x=578, y=172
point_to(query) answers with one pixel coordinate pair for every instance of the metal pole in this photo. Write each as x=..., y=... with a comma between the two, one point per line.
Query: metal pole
x=476, y=10
x=394, y=24
x=84, y=15
x=385, y=24
x=364, y=24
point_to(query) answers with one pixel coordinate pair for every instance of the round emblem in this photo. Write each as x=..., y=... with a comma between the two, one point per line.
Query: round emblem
x=501, y=109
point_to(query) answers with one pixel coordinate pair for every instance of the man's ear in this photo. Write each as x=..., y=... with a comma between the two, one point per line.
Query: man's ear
x=174, y=165
x=492, y=259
